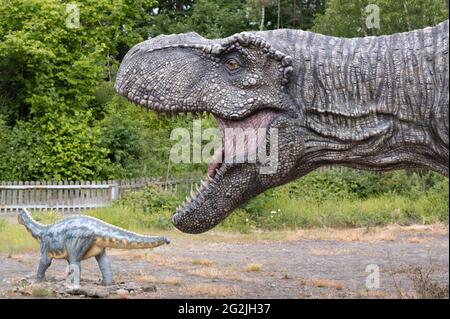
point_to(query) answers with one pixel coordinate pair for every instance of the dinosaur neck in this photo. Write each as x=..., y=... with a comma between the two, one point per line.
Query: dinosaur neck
x=35, y=228
x=371, y=102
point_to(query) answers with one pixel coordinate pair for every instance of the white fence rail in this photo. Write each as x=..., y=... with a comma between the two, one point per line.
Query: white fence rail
x=78, y=196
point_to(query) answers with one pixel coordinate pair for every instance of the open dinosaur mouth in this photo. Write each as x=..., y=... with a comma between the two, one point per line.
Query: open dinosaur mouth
x=240, y=142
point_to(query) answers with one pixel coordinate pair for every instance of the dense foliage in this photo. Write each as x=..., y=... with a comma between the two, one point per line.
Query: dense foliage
x=348, y=18
x=49, y=76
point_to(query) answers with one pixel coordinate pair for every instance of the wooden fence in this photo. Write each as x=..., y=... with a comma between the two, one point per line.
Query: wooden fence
x=79, y=196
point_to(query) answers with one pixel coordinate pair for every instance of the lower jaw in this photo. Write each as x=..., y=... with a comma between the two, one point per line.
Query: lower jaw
x=192, y=222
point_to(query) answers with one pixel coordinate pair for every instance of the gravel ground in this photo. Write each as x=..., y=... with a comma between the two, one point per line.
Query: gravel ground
x=411, y=261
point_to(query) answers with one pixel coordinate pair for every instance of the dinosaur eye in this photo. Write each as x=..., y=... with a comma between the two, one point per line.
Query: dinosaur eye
x=232, y=65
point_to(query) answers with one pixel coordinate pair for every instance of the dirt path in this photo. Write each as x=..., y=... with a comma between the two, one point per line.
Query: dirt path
x=305, y=264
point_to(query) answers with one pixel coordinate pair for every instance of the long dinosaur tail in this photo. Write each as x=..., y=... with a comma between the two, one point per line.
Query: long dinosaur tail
x=133, y=242
x=109, y=236
x=35, y=228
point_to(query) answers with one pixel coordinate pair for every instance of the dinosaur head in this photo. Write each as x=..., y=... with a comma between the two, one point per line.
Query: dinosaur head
x=244, y=83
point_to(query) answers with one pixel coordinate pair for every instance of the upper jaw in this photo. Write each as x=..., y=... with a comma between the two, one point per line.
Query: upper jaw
x=131, y=66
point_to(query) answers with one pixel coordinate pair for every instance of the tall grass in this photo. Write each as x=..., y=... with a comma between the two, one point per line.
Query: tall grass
x=347, y=198
x=134, y=219
x=382, y=210
x=336, y=198
x=14, y=238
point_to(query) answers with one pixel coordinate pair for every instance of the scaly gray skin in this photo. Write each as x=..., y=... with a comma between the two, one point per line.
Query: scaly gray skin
x=77, y=238
x=374, y=103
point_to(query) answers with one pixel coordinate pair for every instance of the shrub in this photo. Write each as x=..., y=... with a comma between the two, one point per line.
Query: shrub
x=150, y=199
x=149, y=208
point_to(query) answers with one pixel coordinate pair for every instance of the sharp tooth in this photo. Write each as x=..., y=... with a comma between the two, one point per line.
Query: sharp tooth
x=187, y=200
x=192, y=194
x=209, y=177
x=204, y=184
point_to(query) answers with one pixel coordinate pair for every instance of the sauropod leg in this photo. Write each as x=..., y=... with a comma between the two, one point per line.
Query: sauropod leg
x=105, y=268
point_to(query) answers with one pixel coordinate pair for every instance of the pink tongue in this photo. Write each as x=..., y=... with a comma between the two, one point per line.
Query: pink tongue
x=239, y=142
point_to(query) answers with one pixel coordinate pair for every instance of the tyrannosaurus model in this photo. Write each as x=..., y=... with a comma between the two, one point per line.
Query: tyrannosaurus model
x=375, y=103
x=77, y=238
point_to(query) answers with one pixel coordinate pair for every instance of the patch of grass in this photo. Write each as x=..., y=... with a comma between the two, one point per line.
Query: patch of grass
x=373, y=294
x=14, y=238
x=157, y=259
x=253, y=268
x=43, y=292
x=379, y=234
x=211, y=290
x=47, y=218
x=328, y=252
x=297, y=213
x=175, y=281
x=134, y=219
x=217, y=273
x=347, y=198
x=239, y=221
x=202, y=262
x=323, y=283
x=418, y=240
x=2, y=224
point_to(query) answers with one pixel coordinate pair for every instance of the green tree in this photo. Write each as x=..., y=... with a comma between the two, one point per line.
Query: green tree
x=49, y=73
x=293, y=14
x=262, y=4
x=348, y=18
x=209, y=18
x=50, y=67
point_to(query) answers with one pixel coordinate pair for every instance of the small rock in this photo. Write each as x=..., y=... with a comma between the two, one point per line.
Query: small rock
x=149, y=289
x=122, y=291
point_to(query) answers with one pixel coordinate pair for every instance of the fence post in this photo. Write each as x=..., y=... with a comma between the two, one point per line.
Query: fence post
x=114, y=190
